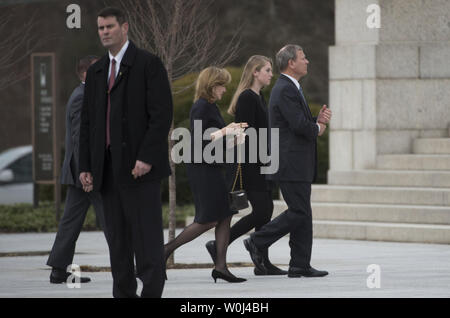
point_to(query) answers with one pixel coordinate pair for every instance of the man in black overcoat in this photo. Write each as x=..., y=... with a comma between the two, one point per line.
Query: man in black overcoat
x=127, y=113
x=298, y=132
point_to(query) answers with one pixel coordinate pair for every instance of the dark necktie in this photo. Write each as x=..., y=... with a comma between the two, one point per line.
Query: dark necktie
x=303, y=96
x=304, y=100
x=112, y=78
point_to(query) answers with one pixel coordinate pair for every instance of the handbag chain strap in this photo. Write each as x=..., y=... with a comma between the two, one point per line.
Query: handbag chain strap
x=238, y=172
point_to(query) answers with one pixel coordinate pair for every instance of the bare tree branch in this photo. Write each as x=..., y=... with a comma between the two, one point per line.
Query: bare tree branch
x=16, y=44
x=182, y=33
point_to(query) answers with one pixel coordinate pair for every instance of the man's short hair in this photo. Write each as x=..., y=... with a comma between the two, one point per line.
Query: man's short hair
x=287, y=53
x=113, y=12
x=84, y=63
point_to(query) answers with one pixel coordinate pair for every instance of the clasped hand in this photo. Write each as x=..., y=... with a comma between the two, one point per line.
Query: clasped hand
x=87, y=181
x=140, y=169
x=324, y=115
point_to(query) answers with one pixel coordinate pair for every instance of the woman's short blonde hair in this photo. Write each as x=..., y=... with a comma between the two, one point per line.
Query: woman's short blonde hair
x=208, y=79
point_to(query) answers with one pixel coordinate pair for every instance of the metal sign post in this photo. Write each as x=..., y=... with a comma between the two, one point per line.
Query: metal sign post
x=46, y=150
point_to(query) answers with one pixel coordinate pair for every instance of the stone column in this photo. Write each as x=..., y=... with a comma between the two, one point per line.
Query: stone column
x=388, y=85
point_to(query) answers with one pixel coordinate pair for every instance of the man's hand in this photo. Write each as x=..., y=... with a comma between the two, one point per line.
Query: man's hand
x=322, y=129
x=324, y=115
x=87, y=181
x=140, y=169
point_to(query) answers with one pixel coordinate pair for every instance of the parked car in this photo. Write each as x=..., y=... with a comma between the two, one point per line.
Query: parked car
x=16, y=175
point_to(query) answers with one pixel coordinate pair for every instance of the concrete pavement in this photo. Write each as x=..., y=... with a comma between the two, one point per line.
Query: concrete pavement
x=405, y=270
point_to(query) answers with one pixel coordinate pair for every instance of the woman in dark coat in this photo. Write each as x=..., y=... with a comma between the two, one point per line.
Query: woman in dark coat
x=248, y=105
x=207, y=180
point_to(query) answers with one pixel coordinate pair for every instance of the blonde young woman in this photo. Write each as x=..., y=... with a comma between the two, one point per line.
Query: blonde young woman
x=248, y=105
x=207, y=180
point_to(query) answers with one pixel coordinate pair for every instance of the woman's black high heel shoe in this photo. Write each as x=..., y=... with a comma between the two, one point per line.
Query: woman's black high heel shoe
x=229, y=278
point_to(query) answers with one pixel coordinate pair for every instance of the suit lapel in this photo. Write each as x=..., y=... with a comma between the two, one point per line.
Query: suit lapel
x=122, y=71
x=125, y=64
x=302, y=101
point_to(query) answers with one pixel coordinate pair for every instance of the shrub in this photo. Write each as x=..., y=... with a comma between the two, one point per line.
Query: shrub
x=23, y=218
x=20, y=218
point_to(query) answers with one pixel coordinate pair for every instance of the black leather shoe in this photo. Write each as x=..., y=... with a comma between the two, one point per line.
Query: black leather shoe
x=270, y=268
x=270, y=271
x=255, y=254
x=59, y=276
x=305, y=272
x=211, y=247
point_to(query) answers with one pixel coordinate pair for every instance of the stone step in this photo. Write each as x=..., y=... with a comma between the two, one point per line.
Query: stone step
x=392, y=232
x=413, y=162
x=381, y=195
x=431, y=146
x=397, y=178
x=374, y=231
x=418, y=214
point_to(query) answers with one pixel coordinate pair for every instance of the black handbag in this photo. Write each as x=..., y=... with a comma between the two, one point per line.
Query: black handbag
x=238, y=199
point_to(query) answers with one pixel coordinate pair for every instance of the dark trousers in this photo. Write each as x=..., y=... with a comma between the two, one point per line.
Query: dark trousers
x=296, y=220
x=262, y=210
x=71, y=223
x=134, y=227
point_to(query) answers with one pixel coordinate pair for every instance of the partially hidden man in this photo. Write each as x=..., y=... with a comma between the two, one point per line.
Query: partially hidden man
x=77, y=201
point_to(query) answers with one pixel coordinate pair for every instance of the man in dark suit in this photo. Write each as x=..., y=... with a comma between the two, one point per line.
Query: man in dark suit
x=298, y=132
x=126, y=117
x=77, y=201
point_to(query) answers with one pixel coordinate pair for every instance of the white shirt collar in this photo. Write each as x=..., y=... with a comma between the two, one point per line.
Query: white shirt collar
x=293, y=80
x=119, y=55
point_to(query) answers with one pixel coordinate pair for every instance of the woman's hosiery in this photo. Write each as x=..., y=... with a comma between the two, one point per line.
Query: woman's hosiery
x=189, y=233
x=261, y=214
